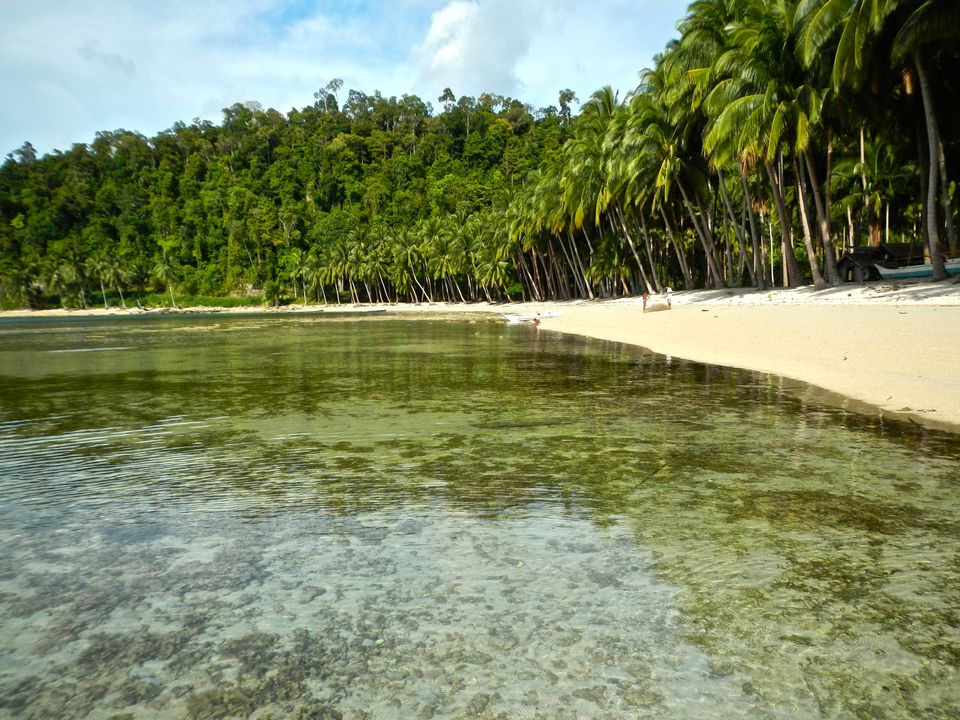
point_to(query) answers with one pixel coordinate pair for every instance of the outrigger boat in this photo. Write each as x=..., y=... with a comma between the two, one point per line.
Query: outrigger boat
x=904, y=272
x=536, y=317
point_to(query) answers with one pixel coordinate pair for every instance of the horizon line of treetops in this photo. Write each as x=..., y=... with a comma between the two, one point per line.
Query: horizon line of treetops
x=768, y=139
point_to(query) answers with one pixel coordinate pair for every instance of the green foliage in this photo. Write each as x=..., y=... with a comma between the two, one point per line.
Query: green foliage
x=215, y=210
x=746, y=135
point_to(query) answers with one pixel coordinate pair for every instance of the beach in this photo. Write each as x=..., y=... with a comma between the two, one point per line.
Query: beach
x=876, y=348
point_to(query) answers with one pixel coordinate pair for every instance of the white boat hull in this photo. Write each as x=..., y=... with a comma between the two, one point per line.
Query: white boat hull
x=917, y=271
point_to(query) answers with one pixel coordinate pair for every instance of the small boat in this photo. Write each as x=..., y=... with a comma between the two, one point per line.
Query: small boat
x=904, y=272
x=536, y=317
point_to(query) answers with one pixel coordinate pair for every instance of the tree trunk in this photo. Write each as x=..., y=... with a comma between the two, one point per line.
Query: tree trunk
x=818, y=281
x=648, y=247
x=933, y=148
x=578, y=281
x=737, y=227
x=759, y=266
x=626, y=232
x=386, y=293
x=560, y=279
x=583, y=272
x=456, y=286
x=863, y=183
x=417, y=281
x=823, y=222
x=521, y=261
x=792, y=270
x=706, y=239
x=681, y=259
x=537, y=262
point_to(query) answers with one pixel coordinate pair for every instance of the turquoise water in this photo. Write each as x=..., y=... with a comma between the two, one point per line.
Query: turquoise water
x=298, y=517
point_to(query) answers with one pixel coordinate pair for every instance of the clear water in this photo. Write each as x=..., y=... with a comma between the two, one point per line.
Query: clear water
x=294, y=517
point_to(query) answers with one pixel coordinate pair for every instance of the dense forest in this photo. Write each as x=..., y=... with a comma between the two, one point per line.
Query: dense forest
x=768, y=139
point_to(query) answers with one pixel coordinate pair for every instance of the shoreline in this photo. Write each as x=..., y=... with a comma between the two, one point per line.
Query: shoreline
x=887, y=348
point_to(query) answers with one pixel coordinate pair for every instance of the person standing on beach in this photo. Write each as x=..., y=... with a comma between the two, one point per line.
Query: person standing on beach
x=668, y=293
x=644, y=300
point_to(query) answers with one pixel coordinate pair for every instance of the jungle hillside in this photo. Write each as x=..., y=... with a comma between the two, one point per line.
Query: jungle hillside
x=769, y=139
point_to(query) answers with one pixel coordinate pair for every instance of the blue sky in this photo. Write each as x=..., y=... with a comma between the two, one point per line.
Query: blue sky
x=73, y=67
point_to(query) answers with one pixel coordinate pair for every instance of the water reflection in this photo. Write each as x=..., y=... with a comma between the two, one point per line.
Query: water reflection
x=306, y=518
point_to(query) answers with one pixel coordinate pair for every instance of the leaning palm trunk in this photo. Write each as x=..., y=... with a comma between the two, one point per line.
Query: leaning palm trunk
x=818, y=282
x=759, y=256
x=560, y=278
x=582, y=271
x=706, y=239
x=792, y=278
x=648, y=247
x=423, y=292
x=573, y=270
x=522, y=264
x=536, y=262
x=823, y=221
x=737, y=227
x=633, y=248
x=681, y=258
x=728, y=258
x=549, y=287
x=456, y=286
x=383, y=284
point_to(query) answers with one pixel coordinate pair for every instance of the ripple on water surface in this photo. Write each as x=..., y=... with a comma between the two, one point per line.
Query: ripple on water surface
x=434, y=520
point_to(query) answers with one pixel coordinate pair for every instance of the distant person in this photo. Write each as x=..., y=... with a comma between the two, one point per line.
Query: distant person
x=645, y=295
x=668, y=294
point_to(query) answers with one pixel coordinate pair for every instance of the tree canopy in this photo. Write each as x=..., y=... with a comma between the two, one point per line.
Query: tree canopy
x=765, y=141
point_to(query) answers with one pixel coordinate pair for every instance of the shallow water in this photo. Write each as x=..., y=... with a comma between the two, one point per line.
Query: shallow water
x=309, y=518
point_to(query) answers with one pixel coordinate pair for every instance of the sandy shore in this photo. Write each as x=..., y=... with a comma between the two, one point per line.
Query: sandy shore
x=888, y=348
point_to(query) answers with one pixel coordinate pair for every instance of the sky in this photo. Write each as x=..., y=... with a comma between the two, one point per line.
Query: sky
x=70, y=68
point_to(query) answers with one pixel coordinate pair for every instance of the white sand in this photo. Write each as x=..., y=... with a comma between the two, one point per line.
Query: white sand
x=890, y=348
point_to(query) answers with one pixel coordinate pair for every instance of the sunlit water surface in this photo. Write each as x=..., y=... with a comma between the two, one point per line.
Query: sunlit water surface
x=298, y=517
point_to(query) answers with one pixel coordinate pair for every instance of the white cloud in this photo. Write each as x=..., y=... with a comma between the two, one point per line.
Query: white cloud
x=73, y=67
x=474, y=47
x=532, y=49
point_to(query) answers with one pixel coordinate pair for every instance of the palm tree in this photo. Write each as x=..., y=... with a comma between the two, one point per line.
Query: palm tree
x=925, y=23
x=165, y=274
x=64, y=277
x=922, y=31
x=442, y=258
x=115, y=272
x=407, y=258
x=663, y=146
x=96, y=266
x=761, y=109
x=297, y=264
